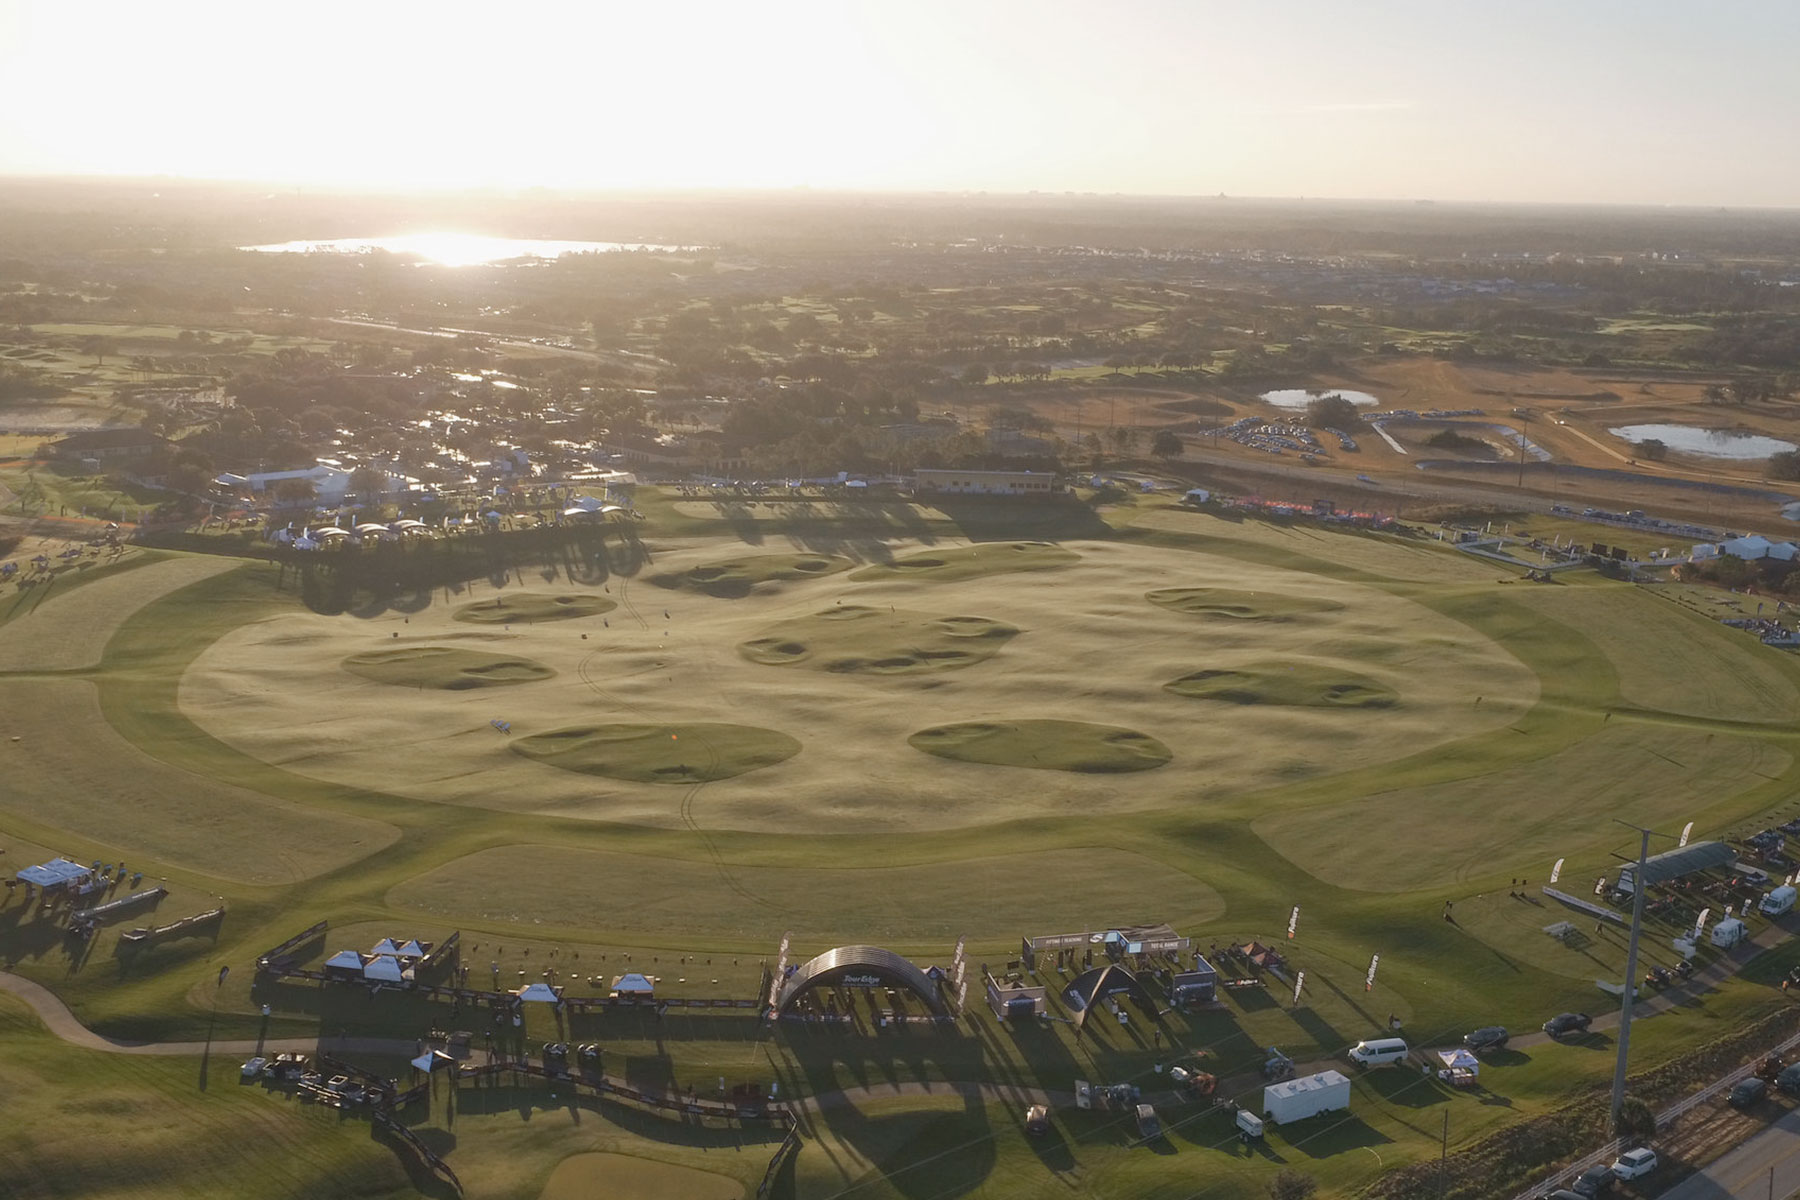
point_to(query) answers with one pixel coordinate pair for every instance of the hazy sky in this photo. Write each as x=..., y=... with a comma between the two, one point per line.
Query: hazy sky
x=1646, y=101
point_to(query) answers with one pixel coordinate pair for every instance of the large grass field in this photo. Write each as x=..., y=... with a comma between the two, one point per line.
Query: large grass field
x=1366, y=726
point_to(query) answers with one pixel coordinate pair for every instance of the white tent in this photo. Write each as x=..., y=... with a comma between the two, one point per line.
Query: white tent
x=633, y=984
x=385, y=969
x=385, y=946
x=344, y=960
x=1459, y=1060
x=431, y=1060
x=541, y=993
x=368, y=527
x=412, y=949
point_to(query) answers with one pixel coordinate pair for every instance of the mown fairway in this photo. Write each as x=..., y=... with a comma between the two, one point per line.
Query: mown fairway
x=1363, y=726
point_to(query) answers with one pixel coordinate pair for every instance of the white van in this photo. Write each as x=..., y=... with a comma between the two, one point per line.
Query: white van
x=1777, y=902
x=1378, y=1052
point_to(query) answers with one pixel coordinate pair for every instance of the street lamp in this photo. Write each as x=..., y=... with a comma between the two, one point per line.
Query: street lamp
x=1638, y=886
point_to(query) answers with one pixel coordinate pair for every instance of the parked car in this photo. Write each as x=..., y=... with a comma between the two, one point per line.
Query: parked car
x=1747, y=1092
x=1148, y=1123
x=1788, y=1081
x=1594, y=1181
x=1566, y=1023
x=1634, y=1164
x=1488, y=1037
x=1037, y=1120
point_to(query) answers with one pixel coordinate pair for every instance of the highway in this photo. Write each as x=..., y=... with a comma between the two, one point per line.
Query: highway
x=1744, y=1172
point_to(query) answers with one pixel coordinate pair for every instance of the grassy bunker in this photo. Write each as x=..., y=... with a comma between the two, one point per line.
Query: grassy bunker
x=448, y=668
x=1239, y=606
x=1051, y=745
x=524, y=607
x=1294, y=684
x=854, y=638
x=691, y=753
x=735, y=577
x=969, y=562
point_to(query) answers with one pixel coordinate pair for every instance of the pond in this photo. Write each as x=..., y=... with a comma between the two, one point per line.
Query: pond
x=1710, y=443
x=1300, y=397
x=456, y=249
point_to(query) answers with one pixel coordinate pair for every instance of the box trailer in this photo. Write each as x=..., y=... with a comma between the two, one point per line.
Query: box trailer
x=1297, y=1099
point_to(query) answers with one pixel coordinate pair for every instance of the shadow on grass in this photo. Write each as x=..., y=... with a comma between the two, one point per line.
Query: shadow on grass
x=1338, y=1137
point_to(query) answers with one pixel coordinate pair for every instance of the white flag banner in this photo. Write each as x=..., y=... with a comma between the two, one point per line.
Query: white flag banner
x=1369, y=983
x=1686, y=831
x=1556, y=871
x=1600, y=886
x=1293, y=921
x=1299, y=982
x=1700, y=925
x=1728, y=909
x=962, y=994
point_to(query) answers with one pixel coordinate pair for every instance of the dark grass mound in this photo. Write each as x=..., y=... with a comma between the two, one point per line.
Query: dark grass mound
x=690, y=753
x=970, y=562
x=525, y=607
x=1239, y=606
x=1050, y=745
x=854, y=639
x=738, y=576
x=1293, y=684
x=445, y=667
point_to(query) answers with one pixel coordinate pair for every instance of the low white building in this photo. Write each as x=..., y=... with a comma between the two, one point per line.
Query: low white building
x=970, y=482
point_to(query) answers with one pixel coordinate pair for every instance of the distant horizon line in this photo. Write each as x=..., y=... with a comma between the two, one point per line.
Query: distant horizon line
x=798, y=190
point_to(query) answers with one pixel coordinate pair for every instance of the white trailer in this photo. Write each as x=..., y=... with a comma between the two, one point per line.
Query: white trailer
x=1297, y=1099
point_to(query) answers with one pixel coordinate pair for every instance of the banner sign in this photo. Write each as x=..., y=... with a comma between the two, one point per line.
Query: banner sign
x=1299, y=982
x=1293, y=921
x=1700, y=925
x=1369, y=983
x=1556, y=871
x=1685, y=831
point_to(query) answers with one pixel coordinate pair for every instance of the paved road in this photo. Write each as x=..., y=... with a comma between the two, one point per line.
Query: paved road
x=1744, y=1172
x=60, y=1021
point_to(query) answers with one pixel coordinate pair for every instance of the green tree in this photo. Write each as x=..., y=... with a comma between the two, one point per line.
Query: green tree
x=1332, y=411
x=295, y=491
x=97, y=346
x=1290, y=1184
x=368, y=482
x=976, y=374
x=1653, y=449
x=1636, y=1120
x=1166, y=444
x=1785, y=465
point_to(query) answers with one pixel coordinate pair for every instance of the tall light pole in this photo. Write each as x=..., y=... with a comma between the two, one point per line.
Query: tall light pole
x=1638, y=887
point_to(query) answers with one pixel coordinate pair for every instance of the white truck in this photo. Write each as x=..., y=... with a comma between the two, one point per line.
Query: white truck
x=1779, y=901
x=1728, y=933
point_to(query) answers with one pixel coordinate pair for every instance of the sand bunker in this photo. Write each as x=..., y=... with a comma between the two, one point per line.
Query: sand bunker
x=736, y=577
x=447, y=667
x=1240, y=606
x=969, y=562
x=526, y=607
x=854, y=638
x=1051, y=745
x=692, y=753
x=1300, y=684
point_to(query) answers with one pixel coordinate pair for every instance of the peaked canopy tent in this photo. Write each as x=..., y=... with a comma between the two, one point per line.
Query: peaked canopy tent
x=385, y=946
x=345, y=960
x=861, y=967
x=384, y=969
x=1091, y=989
x=1459, y=1060
x=633, y=984
x=539, y=993
x=412, y=949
